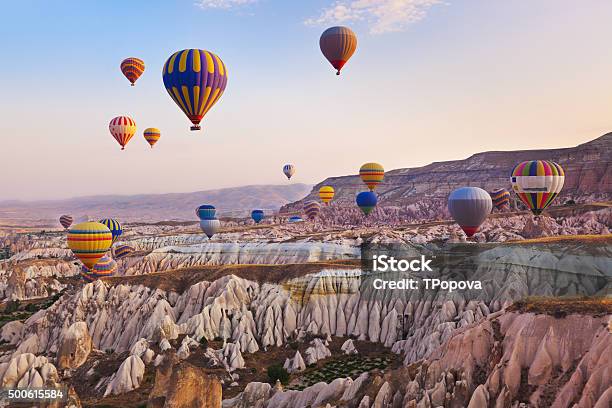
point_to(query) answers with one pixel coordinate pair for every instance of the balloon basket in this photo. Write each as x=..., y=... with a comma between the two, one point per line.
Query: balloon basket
x=196, y=127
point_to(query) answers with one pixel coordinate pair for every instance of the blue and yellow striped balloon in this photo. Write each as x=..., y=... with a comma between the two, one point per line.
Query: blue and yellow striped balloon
x=195, y=80
x=114, y=226
x=123, y=250
x=312, y=209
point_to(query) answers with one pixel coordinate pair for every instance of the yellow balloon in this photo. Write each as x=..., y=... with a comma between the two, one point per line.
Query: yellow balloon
x=372, y=174
x=326, y=194
x=89, y=241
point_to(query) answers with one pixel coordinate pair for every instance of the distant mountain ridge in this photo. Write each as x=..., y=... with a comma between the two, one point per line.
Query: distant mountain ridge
x=235, y=201
x=588, y=169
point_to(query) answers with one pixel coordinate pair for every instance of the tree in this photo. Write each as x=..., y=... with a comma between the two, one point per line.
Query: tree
x=277, y=372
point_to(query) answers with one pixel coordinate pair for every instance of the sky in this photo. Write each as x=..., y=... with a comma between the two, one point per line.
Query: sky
x=430, y=81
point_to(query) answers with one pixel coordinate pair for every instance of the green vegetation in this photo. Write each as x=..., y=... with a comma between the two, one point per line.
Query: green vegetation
x=277, y=372
x=16, y=310
x=346, y=366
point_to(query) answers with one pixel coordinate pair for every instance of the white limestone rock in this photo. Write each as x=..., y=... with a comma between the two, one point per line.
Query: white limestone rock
x=127, y=378
x=295, y=364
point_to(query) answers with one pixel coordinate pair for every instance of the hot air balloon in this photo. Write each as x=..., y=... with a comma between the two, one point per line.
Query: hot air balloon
x=257, y=215
x=501, y=198
x=89, y=241
x=338, y=45
x=152, y=135
x=470, y=207
x=66, y=221
x=295, y=218
x=122, y=128
x=106, y=266
x=195, y=80
x=312, y=209
x=366, y=201
x=206, y=212
x=210, y=226
x=326, y=194
x=114, y=226
x=289, y=170
x=132, y=68
x=537, y=183
x=372, y=174
x=123, y=250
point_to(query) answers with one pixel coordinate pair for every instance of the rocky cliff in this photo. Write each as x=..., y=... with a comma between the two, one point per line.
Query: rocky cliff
x=588, y=170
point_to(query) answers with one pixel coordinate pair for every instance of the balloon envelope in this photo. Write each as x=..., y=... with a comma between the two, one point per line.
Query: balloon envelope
x=470, y=207
x=257, y=216
x=326, y=194
x=132, y=68
x=312, y=209
x=338, y=44
x=210, y=226
x=114, y=226
x=89, y=241
x=537, y=183
x=123, y=129
x=289, y=170
x=123, y=250
x=206, y=212
x=152, y=135
x=195, y=80
x=366, y=201
x=106, y=266
x=372, y=174
x=65, y=221
x=501, y=198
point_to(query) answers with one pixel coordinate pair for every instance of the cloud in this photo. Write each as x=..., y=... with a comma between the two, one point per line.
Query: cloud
x=223, y=4
x=382, y=16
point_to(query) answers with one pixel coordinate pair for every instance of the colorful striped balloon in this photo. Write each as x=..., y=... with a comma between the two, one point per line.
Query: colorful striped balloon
x=501, y=198
x=289, y=170
x=152, y=135
x=89, y=241
x=366, y=201
x=206, y=212
x=114, y=226
x=106, y=266
x=132, y=68
x=537, y=183
x=123, y=250
x=312, y=209
x=123, y=129
x=372, y=174
x=338, y=44
x=326, y=194
x=65, y=221
x=195, y=80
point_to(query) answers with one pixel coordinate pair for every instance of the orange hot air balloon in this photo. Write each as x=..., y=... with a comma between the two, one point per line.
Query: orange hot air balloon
x=89, y=241
x=338, y=45
x=132, y=68
x=122, y=128
x=152, y=135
